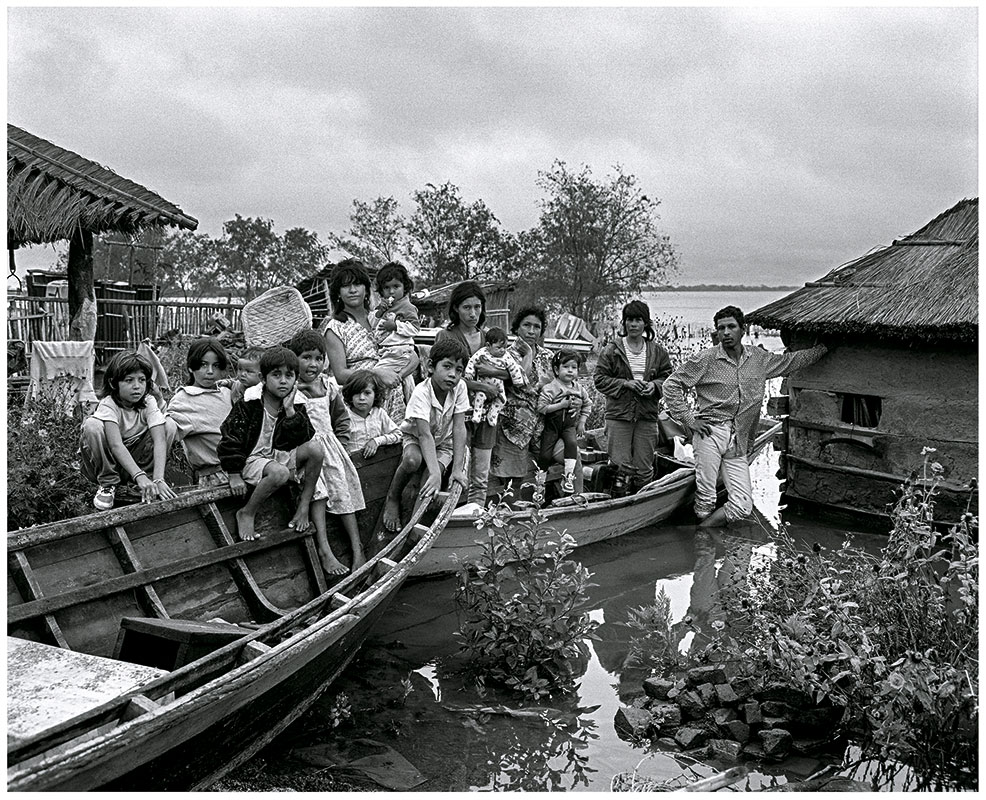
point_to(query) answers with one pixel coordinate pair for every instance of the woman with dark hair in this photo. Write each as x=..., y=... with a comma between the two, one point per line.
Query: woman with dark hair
x=467, y=314
x=520, y=423
x=631, y=372
x=349, y=339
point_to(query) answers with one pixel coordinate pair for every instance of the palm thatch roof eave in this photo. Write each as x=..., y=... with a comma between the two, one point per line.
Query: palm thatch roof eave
x=53, y=192
x=922, y=287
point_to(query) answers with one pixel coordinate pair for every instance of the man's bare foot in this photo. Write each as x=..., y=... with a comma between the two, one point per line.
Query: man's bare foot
x=392, y=514
x=300, y=521
x=358, y=560
x=244, y=526
x=332, y=565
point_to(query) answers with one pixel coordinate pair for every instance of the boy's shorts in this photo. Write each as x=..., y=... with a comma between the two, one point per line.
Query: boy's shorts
x=443, y=452
x=254, y=468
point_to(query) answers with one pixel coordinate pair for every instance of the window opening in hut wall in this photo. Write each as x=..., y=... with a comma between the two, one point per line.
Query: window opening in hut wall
x=863, y=410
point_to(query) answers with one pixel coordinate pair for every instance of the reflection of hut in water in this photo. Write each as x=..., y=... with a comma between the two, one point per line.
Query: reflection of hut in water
x=902, y=323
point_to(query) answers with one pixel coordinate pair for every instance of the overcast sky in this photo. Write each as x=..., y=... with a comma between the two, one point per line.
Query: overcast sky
x=781, y=143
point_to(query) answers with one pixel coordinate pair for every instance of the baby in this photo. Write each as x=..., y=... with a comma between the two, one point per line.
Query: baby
x=495, y=355
x=247, y=373
x=395, y=321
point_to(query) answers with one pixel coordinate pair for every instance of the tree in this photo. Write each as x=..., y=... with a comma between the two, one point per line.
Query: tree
x=189, y=265
x=377, y=233
x=454, y=241
x=253, y=257
x=596, y=241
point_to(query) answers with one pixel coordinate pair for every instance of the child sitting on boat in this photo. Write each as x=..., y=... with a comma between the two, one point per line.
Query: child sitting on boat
x=395, y=321
x=494, y=355
x=371, y=426
x=565, y=404
x=199, y=408
x=330, y=418
x=127, y=434
x=434, y=429
x=268, y=440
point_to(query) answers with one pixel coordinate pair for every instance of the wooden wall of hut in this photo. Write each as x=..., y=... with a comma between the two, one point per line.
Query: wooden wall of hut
x=926, y=396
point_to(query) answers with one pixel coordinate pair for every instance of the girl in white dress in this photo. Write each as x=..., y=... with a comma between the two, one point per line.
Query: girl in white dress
x=330, y=418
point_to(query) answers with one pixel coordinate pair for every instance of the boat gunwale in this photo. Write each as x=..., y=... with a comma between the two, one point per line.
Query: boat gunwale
x=219, y=659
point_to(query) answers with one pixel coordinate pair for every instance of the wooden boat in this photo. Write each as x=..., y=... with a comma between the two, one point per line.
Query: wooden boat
x=586, y=522
x=148, y=650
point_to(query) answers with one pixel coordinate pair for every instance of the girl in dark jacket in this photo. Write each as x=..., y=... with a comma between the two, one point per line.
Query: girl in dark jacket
x=631, y=373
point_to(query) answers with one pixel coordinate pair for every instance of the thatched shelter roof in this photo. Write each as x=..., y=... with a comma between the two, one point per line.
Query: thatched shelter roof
x=51, y=192
x=924, y=286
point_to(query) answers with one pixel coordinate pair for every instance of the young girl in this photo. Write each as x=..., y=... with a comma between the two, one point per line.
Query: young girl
x=199, y=408
x=566, y=405
x=330, y=419
x=395, y=321
x=127, y=434
x=267, y=441
x=372, y=427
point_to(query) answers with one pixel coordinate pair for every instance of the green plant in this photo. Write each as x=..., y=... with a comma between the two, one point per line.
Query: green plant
x=891, y=639
x=652, y=645
x=524, y=604
x=44, y=481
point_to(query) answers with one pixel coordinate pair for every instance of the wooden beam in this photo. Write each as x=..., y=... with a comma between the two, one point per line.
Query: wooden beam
x=137, y=707
x=27, y=584
x=261, y=608
x=81, y=287
x=252, y=650
x=872, y=474
x=127, y=556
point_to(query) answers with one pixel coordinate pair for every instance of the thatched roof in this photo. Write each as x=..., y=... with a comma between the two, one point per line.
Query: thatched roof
x=52, y=191
x=924, y=286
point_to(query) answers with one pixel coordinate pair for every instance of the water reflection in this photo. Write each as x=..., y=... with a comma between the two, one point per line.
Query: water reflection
x=463, y=739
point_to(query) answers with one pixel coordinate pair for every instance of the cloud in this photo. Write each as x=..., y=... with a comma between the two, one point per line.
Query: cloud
x=780, y=141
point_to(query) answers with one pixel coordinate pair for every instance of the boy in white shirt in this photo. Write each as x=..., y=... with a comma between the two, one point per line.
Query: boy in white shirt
x=434, y=429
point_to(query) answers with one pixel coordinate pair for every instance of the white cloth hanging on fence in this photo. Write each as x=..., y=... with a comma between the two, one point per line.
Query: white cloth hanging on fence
x=64, y=371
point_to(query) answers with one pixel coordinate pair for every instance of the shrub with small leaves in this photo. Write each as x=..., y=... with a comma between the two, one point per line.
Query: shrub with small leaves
x=44, y=479
x=524, y=601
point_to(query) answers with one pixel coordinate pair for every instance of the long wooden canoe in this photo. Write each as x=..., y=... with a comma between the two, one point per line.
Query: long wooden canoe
x=149, y=650
x=586, y=523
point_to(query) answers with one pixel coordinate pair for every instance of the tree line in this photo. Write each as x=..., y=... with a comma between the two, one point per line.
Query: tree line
x=596, y=241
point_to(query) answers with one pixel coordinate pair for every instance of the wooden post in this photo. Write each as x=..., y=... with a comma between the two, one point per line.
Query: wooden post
x=81, y=291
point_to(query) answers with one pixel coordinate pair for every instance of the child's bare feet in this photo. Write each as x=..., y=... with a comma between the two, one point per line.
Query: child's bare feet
x=332, y=565
x=358, y=560
x=392, y=514
x=244, y=526
x=300, y=520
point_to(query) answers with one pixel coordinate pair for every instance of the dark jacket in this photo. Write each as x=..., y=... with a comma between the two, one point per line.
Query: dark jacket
x=241, y=430
x=613, y=368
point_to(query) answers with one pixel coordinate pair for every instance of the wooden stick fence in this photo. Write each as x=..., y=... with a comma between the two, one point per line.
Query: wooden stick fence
x=121, y=323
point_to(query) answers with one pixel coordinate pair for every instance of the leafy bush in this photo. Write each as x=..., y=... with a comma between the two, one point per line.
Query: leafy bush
x=524, y=602
x=892, y=639
x=44, y=481
x=652, y=645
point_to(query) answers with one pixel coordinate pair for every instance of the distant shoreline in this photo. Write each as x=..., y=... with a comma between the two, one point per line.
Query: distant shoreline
x=720, y=287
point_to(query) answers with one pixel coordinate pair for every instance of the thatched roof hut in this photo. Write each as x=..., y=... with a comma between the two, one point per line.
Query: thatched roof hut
x=921, y=287
x=52, y=192
x=55, y=194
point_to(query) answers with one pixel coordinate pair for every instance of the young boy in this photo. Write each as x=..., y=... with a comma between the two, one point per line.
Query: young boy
x=267, y=441
x=434, y=429
x=495, y=355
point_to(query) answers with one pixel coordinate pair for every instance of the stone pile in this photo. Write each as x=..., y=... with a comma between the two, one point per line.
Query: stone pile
x=711, y=715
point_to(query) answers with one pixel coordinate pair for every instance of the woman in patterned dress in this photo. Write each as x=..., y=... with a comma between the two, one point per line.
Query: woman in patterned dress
x=520, y=423
x=348, y=338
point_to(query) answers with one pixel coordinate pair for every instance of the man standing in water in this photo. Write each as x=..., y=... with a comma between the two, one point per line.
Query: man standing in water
x=729, y=381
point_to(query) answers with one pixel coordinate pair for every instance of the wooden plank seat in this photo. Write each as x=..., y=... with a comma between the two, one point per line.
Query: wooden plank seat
x=168, y=644
x=48, y=685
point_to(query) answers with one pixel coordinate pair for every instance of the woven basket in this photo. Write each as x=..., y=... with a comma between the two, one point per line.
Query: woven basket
x=274, y=317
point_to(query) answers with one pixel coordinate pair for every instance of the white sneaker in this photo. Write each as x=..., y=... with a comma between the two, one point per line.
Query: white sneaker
x=105, y=498
x=568, y=484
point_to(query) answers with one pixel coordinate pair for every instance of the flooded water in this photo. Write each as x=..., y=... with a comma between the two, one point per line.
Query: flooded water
x=406, y=689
